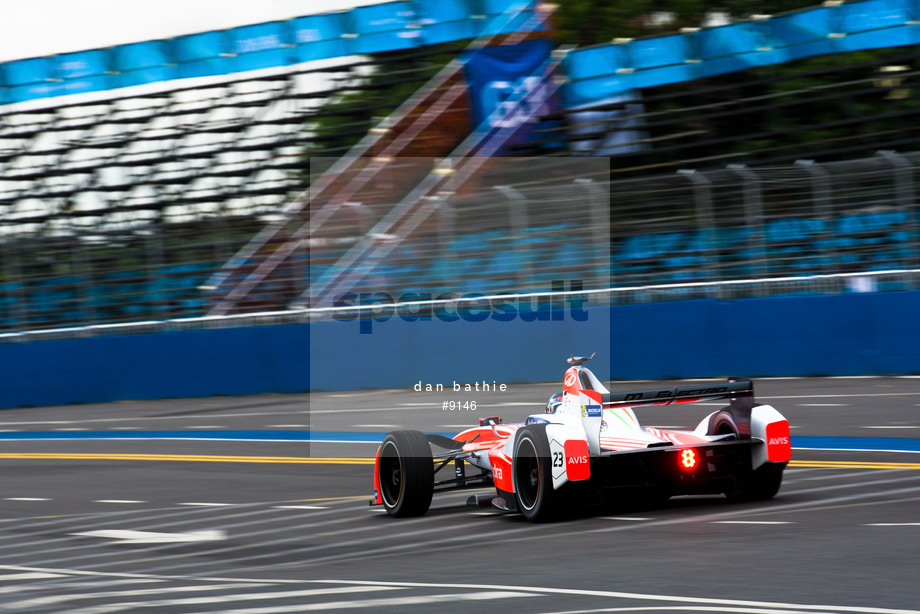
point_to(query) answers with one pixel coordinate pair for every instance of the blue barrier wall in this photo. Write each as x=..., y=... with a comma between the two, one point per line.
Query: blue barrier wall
x=854, y=334
x=164, y=365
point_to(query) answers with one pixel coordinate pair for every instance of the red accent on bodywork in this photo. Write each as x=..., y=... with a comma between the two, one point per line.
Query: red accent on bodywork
x=570, y=383
x=680, y=438
x=501, y=468
x=779, y=446
x=577, y=465
x=484, y=437
x=378, y=500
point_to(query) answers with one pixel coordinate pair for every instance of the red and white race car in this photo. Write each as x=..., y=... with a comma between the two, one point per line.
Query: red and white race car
x=590, y=441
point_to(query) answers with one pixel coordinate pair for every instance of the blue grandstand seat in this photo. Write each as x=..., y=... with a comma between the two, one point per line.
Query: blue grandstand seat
x=440, y=272
x=639, y=247
x=506, y=263
x=796, y=244
x=122, y=295
x=570, y=256
x=684, y=268
x=174, y=291
x=537, y=244
x=484, y=285
x=642, y=258
x=56, y=300
x=739, y=257
x=10, y=303
x=873, y=239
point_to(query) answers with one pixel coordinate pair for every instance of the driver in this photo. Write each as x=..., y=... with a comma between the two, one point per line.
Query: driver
x=553, y=404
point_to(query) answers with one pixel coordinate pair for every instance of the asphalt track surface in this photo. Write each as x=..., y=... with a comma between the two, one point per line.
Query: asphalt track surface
x=224, y=505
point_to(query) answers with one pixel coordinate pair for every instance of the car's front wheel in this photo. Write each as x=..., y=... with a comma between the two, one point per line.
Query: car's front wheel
x=534, y=494
x=405, y=473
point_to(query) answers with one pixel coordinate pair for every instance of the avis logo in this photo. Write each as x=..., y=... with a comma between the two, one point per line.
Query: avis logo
x=779, y=441
x=577, y=460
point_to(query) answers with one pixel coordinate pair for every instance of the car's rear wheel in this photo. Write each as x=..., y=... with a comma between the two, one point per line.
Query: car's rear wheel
x=722, y=423
x=406, y=473
x=765, y=483
x=534, y=494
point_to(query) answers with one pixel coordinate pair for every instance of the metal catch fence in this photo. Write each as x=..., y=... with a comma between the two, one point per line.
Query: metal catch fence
x=535, y=225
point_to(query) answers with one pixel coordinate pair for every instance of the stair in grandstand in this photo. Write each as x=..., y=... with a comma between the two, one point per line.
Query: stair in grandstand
x=423, y=202
x=384, y=170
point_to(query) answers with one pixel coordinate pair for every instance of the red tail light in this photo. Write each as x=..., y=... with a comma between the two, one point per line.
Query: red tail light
x=688, y=459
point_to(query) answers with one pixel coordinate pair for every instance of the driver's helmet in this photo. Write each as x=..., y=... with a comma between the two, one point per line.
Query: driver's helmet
x=554, y=402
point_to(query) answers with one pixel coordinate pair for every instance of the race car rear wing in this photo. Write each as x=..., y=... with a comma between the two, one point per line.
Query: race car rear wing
x=739, y=391
x=686, y=394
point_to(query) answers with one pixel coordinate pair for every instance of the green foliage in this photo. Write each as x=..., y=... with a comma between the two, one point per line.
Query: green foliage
x=369, y=94
x=593, y=22
x=827, y=107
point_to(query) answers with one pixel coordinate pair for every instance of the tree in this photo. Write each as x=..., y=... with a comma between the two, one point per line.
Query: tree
x=594, y=22
x=376, y=86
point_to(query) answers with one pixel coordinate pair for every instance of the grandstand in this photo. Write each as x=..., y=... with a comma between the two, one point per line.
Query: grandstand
x=118, y=208
x=756, y=117
x=180, y=200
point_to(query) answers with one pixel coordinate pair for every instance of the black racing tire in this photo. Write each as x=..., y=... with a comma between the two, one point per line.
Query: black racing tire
x=722, y=423
x=406, y=473
x=765, y=483
x=532, y=473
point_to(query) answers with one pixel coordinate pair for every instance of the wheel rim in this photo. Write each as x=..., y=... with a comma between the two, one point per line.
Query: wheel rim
x=527, y=474
x=390, y=474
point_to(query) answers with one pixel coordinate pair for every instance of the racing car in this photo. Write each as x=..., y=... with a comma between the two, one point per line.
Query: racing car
x=590, y=441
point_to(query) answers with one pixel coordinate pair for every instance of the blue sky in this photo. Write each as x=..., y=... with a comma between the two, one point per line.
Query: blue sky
x=35, y=28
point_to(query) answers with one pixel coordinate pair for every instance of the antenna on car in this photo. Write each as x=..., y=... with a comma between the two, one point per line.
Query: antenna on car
x=578, y=360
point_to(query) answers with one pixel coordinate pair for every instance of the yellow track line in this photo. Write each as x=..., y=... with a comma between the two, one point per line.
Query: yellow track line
x=852, y=465
x=306, y=460
x=195, y=458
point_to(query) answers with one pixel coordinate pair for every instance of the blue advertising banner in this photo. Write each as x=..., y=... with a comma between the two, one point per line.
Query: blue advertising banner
x=805, y=34
x=262, y=46
x=734, y=47
x=861, y=22
x=142, y=63
x=384, y=27
x=502, y=16
x=319, y=37
x=85, y=71
x=662, y=60
x=599, y=73
x=445, y=20
x=403, y=24
x=591, y=62
x=26, y=79
x=203, y=55
x=595, y=73
x=510, y=89
x=494, y=74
